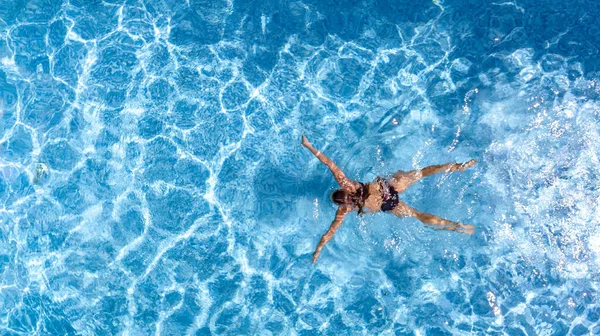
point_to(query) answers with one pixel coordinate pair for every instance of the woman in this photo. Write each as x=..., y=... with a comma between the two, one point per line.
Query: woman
x=382, y=195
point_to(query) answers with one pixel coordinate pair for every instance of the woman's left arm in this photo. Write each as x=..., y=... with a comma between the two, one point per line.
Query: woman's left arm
x=337, y=222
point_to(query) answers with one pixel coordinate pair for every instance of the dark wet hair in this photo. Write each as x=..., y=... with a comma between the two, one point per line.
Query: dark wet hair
x=342, y=197
x=356, y=199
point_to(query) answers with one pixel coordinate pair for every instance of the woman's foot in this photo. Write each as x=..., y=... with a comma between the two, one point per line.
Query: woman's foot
x=465, y=228
x=468, y=164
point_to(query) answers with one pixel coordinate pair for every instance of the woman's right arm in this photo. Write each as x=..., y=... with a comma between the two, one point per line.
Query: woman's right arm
x=346, y=183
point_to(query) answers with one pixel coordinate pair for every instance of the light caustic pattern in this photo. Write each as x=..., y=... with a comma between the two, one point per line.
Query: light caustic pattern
x=152, y=180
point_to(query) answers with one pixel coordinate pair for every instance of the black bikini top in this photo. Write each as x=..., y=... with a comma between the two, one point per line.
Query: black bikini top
x=389, y=195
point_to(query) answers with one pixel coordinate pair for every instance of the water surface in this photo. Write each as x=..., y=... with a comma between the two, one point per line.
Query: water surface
x=153, y=182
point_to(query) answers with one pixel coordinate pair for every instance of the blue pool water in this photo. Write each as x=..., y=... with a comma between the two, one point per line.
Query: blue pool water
x=152, y=179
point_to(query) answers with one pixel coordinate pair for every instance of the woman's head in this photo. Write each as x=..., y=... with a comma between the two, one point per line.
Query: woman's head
x=342, y=197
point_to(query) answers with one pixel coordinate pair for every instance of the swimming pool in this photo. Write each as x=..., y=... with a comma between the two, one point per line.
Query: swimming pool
x=153, y=182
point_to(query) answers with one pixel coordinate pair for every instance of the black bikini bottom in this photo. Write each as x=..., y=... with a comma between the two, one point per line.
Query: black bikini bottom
x=389, y=195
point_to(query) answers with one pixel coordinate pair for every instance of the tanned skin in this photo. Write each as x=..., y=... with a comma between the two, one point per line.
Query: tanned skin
x=400, y=181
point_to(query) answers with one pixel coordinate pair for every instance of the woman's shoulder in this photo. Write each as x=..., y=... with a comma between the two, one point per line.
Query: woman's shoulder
x=374, y=184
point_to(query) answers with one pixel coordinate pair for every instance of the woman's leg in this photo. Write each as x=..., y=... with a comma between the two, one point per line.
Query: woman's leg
x=402, y=180
x=432, y=221
x=438, y=223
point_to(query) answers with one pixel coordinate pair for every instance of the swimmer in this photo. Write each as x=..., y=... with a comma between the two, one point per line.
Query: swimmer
x=382, y=195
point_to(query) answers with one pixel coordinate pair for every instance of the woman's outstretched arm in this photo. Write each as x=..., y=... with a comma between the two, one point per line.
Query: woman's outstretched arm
x=337, y=222
x=346, y=183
